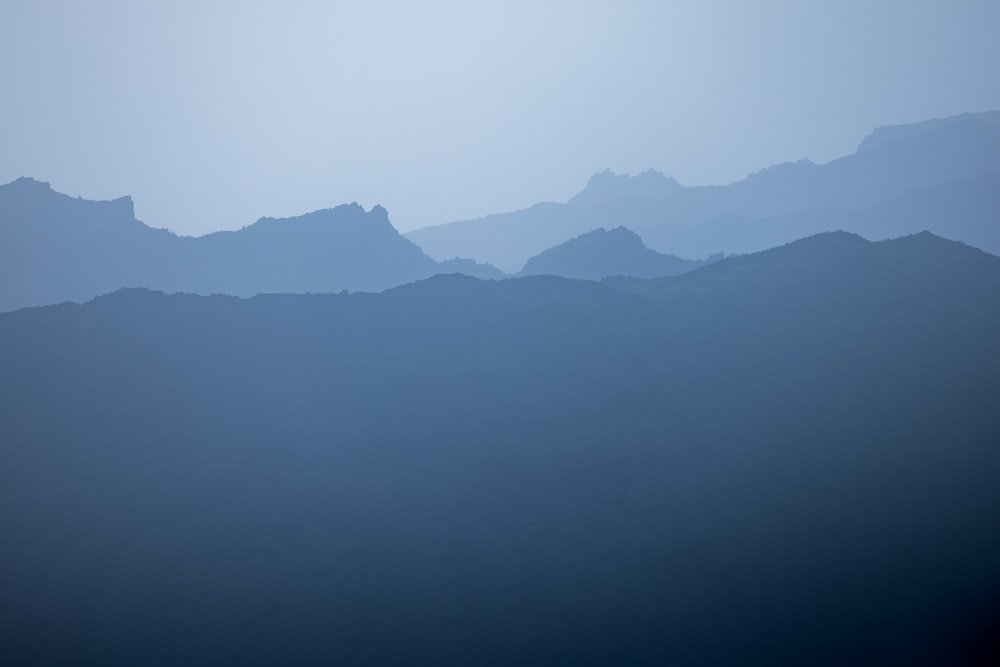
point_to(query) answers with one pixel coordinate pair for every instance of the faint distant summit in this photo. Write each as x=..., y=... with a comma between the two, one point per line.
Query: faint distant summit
x=603, y=253
x=607, y=186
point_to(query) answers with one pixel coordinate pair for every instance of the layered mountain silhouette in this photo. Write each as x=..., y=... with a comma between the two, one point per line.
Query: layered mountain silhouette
x=940, y=175
x=603, y=253
x=56, y=248
x=918, y=160
x=783, y=458
x=964, y=209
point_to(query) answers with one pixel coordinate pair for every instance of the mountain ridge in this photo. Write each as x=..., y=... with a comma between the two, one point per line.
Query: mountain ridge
x=54, y=248
x=607, y=187
x=944, y=151
x=606, y=252
x=963, y=209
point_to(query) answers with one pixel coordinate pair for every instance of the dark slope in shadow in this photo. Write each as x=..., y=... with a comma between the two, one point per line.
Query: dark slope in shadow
x=780, y=459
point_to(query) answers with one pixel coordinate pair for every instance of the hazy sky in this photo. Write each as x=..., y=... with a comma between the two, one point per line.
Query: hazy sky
x=213, y=114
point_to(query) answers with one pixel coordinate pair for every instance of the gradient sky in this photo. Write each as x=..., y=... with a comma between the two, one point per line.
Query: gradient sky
x=212, y=114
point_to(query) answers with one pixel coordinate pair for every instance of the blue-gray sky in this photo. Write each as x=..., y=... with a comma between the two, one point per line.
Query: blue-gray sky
x=212, y=114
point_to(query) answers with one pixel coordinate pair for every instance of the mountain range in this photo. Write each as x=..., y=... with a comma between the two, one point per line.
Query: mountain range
x=780, y=458
x=940, y=175
x=895, y=170
x=308, y=441
x=56, y=248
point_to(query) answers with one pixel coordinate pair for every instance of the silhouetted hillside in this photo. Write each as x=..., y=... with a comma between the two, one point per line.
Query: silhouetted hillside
x=890, y=163
x=56, y=248
x=787, y=458
x=600, y=253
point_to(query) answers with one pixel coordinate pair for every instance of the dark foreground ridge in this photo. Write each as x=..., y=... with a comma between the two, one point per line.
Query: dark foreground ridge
x=787, y=458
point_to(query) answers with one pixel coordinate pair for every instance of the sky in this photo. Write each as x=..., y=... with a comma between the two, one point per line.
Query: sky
x=213, y=114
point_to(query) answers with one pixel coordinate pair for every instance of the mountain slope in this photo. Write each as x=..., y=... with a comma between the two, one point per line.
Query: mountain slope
x=602, y=253
x=55, y=248
x=779, y=459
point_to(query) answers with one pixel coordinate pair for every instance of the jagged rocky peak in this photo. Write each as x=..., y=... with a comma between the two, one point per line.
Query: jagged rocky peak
x=355, y=212
x=607, y=186
x=379, y=215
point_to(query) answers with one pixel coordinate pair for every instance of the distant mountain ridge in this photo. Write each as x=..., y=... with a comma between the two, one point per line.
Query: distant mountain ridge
x=891, y=162
x=941, y=175
x=602, y=253
x=964, y=209
x=608, y=187
x=887, y=133
x=55, y=248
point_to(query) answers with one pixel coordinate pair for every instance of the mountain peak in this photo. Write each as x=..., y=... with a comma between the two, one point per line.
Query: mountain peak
x=27, y=183
x=345, y=214
x=607, y=186
x=619, y=237
x=601, y=253
x=32, y=193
